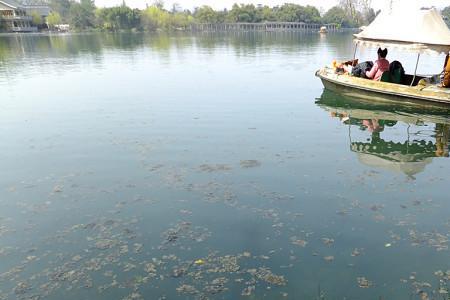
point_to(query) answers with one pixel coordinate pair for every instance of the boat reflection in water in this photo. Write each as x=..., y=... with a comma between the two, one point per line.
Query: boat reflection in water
x=392, y=137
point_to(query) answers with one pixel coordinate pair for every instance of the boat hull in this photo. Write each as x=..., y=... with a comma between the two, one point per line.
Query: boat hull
x=381, y=91
x=369, y=109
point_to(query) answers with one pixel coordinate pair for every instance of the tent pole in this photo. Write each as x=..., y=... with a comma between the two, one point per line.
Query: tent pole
x=415, y=71
x=354, y=53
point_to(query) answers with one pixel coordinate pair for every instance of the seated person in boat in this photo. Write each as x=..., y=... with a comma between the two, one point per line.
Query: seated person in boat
x=380, y=66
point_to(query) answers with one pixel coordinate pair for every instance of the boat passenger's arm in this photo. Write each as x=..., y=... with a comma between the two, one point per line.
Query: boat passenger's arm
x=371, y=74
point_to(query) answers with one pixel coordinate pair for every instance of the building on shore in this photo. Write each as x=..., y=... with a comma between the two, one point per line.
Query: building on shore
x=17, y=17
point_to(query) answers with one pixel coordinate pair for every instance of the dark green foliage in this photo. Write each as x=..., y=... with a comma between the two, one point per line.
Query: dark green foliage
x=155, y=18
x=297, y=13
x=62, y=7
x=337, y=15
x=206, y=14
x=249, y=13
x=118, y=18
x=83, y=14
x=2, y=24
x=265, y=14
x=244, y=13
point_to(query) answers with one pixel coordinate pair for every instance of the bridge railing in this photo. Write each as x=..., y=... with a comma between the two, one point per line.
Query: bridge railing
x=266, y=26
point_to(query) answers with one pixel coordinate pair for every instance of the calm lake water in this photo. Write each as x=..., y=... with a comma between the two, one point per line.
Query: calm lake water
x=213, y=166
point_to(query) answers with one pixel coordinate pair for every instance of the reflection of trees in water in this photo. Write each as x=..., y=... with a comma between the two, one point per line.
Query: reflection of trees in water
x=409, y=156
x=95, y=43
x=17, y=51
x=14, y=47
x=341, y=44
x=442, y=140
x=60, y=51
x=4, y=52
x=413, y=144
x=43, y=46
x=252, y=42
x=419, y=148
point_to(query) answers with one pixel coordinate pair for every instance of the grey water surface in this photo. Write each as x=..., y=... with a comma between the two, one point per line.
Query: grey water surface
x=213, y=166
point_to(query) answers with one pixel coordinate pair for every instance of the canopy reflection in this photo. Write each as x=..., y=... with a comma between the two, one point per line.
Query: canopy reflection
x=420, y=134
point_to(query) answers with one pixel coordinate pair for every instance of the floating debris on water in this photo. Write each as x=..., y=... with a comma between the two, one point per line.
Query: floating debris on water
x=214, y=168
x=248, y=290
x=356, y=252
x=187, y=289
x=216, y=286
x=105, y=244
x=363, y=282
x=250, y=163
x=21, y=288
x=329, y=258
x=298, y=242
x=58, y=189
x=267, y=275
x=328, y=242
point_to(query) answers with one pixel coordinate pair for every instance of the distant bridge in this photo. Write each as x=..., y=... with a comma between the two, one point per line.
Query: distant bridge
x=267, y=26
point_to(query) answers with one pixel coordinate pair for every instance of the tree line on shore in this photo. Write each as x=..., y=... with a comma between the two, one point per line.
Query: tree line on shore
x=84, y=14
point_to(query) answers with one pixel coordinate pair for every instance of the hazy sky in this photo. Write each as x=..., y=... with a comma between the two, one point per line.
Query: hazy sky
x=220, y=4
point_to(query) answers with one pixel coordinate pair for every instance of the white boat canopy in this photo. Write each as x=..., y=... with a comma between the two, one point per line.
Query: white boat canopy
x=418, y=30
x=410, y=168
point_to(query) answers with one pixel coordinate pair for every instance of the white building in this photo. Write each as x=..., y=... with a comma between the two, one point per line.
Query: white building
x=16, y=17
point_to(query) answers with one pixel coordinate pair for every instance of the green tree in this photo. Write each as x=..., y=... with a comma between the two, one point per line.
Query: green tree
x=180, y=20
x=62, y=7
x=222, y=16
x=265, y=14
x=309, y=14
x=287, y=12
x=245, y=13
x=118, y=18
x=54, y=18
x=36, y=18
x=154, y=18
x=205, y=14
x=296, y=13
x=337, y=15
x=81, y=15
x=88, y=5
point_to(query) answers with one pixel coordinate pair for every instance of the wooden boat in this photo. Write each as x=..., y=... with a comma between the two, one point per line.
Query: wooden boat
x=363, y=108
x=382, y=91
x=423, y=31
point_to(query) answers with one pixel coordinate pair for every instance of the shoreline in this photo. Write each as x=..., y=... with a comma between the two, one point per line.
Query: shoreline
x=211, y=27
x=72, y=32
